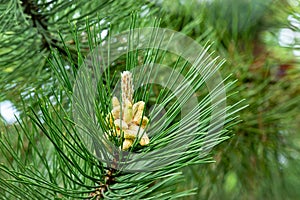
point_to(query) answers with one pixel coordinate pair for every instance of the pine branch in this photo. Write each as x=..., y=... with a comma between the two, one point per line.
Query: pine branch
x=79, y=155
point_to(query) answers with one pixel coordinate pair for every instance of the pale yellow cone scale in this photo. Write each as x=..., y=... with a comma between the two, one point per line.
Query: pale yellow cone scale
x=138, y=106
x=126, y=144
x=115, y=102
x=133, y=131
x=130, y=134
x=116, y=112
x=136, y=130
x=137, y=117
x=144, y=122
x=121, y=124
x=144, y=140
x=137, y=121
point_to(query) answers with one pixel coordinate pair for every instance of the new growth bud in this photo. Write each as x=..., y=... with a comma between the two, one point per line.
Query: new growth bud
x=132, y=122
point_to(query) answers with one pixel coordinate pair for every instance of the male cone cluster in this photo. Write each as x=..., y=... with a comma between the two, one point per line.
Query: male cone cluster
x=129, y=122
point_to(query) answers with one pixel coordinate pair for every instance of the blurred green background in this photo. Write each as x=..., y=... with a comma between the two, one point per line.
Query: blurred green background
x=260, y=41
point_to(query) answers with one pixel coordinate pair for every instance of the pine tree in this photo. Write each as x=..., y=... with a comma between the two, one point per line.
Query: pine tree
x=91, y=132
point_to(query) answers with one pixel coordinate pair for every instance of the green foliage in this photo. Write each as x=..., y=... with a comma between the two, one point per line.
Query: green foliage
x=262, y=153
x=42, y=155
x=30, y=29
